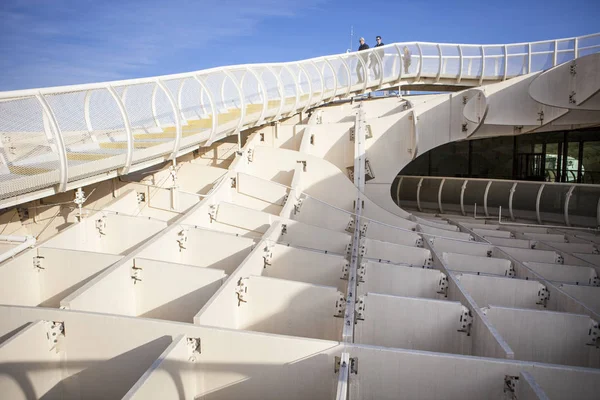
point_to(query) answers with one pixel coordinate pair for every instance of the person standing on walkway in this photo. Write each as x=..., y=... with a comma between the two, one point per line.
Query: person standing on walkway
x=359, y=67
x=376, y=66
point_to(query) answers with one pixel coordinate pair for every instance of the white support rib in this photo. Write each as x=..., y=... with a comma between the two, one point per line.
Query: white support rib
x=439, y=73
x=513, y=189
x=567, y=200
x=281, y=93
x=505, y=63
x=335, y=81
x=177, y=114
x=537, y=203
x=485, y=198
x=482, y=65
x=400, y=63
x=366, y=66
x=380, y=61
x=60, y=144
x=154, y=113
x=576, y=47
x=420, y=70
x=440, y=195
x=86, y=111
x=179, y=92
x=213, y=110
x=528, y=58
x=265, y=95
x=238, y=128
x=297, y=91
x=555, y=55
x=419, y=194
x=460, y=63
x=398, y=191
x=322, y=82
x=128, y=132
x=348, y=75
x=310, y=89
x=462, y=197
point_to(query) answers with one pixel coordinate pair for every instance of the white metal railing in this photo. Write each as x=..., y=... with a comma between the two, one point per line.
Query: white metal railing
x=59, y=138
x=562, y=202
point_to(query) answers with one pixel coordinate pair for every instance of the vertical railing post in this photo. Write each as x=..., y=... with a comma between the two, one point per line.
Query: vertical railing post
x=86, y=111
x=399, y=62
x=335, y=83
x=576, y=47
x=297, y=91
x=485, y=198
x=567, y=200
x=280, y=90
x=60, y=144
x=482, y=49
x=177, y=114
x=310, y=89
x=420, y=70
x=528, y=58
x=505, y=63
x=349, y=76
x=263, y=89
x=439, y=72
x=322, y=78
x=237, y=130
x=537, y=203
x=128, y=131
x=555, y=55
x=179, y=99
x=460, y=63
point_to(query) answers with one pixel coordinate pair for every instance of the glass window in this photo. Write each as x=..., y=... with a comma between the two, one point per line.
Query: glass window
x=551, y=161
x=590, y=169
x=572, y=162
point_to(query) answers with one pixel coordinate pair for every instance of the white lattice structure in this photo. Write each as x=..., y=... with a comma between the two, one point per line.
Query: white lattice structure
x=279, y=266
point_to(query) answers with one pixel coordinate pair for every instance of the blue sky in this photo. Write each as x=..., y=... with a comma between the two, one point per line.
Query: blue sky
x=59, y=42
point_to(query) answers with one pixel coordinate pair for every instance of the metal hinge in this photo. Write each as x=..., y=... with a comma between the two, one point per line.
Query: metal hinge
x=194, y=346
x=241, y=290
x=101, y=225
x=443, y=285
x=54, y=331
x=37, y=263
x=312, y=139
x=465, y=321
x=340, y=306
x=348, y=250
x=543, y=296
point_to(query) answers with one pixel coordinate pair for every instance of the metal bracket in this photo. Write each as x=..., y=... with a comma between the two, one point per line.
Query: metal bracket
x=361, y=272
x=340, y=306
x=345, y=270
x=350, y=226
x=339, y=364
x=233, y=182
x=359, y=315
x=363, y=229
x=595, y=281
x=303, y=162
x=348, y=250
x=212, y=212
x=465, y=321
x=594, y=334
x=362, y=250
x=141, y=197
x=354, y=365
x=194, y=346
x=285, y=199
x=510, y=272
x=541, y=117
x=510, y=385
x=352, y=134
x=241, y=290
x=37, y=263
x=101, y=225
x=572, y=99
x=559, y=259
x=419, y=242
x=429, y=262
x=267, y=255
x=573, y=68
x=250, y=155
x=54, y=331
x=368, y=171
x=543, y=296
x=298, y=205
x=443, y=285
x=464, y=127
x=368, y=132
x=182, y=238
x=489, y=253
x=283, y=229
x=350, y=173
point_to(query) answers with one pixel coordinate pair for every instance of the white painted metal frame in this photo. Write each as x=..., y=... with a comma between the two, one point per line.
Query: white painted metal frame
x=177, y=115
x=129, y=133
x=58, y=140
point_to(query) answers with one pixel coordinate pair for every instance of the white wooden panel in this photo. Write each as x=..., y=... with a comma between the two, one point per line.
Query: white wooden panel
x=378, y=250
x=563, y=273
x=546, y=336
x=528, y=389
x=444, y=233
x=240, y=220
x=306, y=266
x=499, y=291
x=316, y=213
x=202, y=249
x=442, y=245
x=390, y=234
x=531, y=255
x=29, y=368
x=67, y=270
x=546, y=237
x=484, y=265
x=121, y=235
x=290, y=308
x=492, y=233
x=410, y=323
x=567, y=383
x=262, y=189
x=332, y=143
x=20, y=281
x=256, y=203
x=172, y=375
x=519, y=243
x=397, y=280
x=313, y=237
x=588, y=295
x=576, y=247
x=591, y=258
x=273, y=164
x=174, y=292
x=109, y=292
x=439, y=225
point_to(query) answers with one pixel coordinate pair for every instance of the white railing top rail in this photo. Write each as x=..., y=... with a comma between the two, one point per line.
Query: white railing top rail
x=508, y=181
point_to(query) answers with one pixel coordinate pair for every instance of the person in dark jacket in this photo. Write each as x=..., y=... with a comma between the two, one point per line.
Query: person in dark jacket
x=376, y=66
x=365, y=58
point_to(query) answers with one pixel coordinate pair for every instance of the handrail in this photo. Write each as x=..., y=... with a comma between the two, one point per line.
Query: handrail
x=157, y=141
